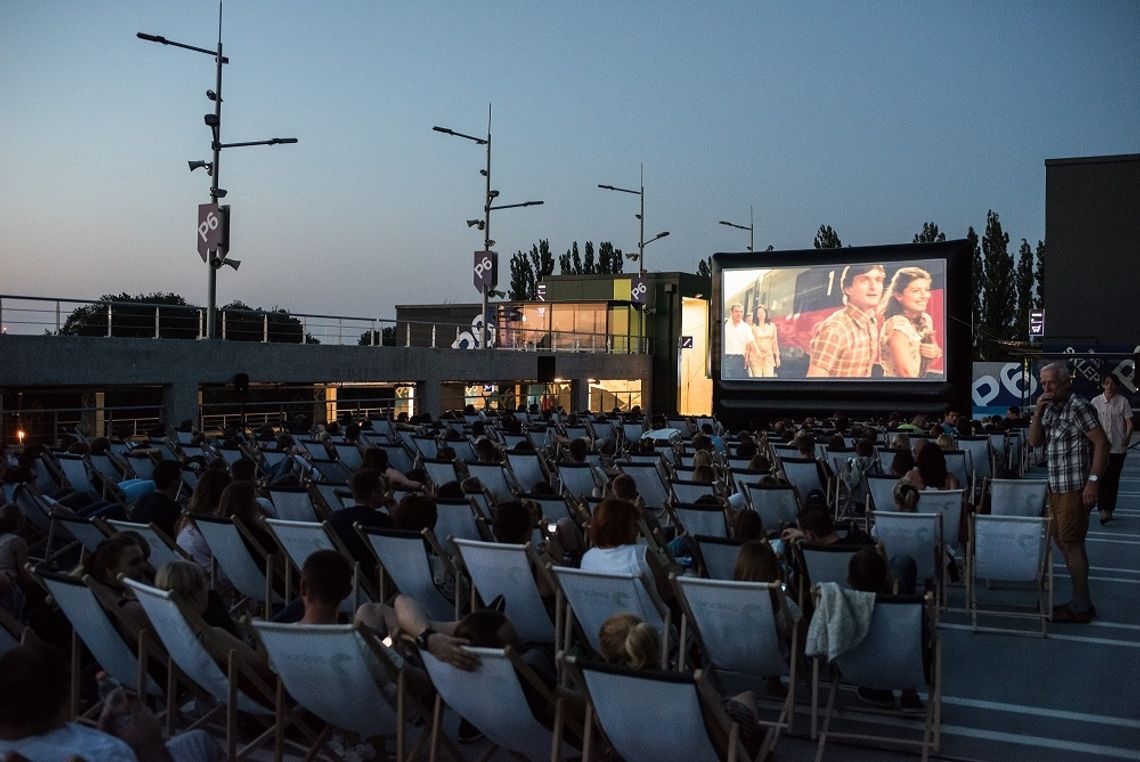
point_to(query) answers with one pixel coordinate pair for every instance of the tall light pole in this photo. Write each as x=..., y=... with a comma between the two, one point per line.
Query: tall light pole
x=485, y=224
x=750, y=227
x=214, y=122
x=641, y=242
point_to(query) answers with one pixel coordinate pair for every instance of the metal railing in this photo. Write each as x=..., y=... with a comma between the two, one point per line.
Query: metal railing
x=33, y=315
x=50, y=425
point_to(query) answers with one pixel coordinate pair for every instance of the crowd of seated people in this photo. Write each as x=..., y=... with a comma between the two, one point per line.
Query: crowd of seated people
x=616, y=525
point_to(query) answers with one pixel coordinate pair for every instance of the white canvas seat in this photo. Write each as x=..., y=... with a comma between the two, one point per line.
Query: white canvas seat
x=300, y=539
x=398, y=457
x=777, y=504
x=508, y=570
x=344, y=676
x=455, y=519
x=670, y=728
x=293, y=503
x=717, y=555
x=162, y=548
x=326, y=493
x=85, y=531
x=329, y=470
x=527, y=469
x=577, y=480
x=960, y=465
x=650, y=484
x=231, y=455
x=949, y=503
x=981, y=456
x=493, y=477
x=349, y=455
x=690, y=491
x=491, y=698
x=1009, y=549
x=230, y=553
x=880, y=491
x=735, y=624
x=552, y=508
x=440, y=472
x=593, y=597
x=1017, y=497
x=821, y=563
x=177, y=627
x=632, y=431
x=916, y=535
x=701, y=519
x=428, y=447
x=404, y=559
x=898, y=652
x=803, y=474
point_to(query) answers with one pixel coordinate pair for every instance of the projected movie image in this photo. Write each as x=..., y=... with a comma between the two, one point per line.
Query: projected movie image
x=867, y=320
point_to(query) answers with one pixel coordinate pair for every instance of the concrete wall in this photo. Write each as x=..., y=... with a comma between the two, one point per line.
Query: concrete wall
x=180, y=366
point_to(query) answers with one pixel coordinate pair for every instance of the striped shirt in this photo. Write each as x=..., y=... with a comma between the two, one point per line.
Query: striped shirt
x=845, y=344
x=1067, y=449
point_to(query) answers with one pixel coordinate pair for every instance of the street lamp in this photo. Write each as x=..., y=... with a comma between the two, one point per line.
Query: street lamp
x=641, y=242
x=213, y=168
x=485, y=223
x=750, y=227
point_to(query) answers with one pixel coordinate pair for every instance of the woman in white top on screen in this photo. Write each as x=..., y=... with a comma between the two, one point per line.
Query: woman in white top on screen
x=906, y=340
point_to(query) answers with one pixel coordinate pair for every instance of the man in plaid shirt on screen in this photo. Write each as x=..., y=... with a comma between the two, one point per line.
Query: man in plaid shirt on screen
x=1067, y=425
x=846, y=343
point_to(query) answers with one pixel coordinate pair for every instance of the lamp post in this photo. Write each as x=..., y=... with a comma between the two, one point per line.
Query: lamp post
x=641, y=242
x=750, y=227
x=213, y=168
x=485, y=224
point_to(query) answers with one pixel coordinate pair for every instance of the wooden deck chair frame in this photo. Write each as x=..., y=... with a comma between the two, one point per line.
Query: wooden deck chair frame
x=89, y=533
x=527, y=469
x=493, y=477
x=699, y=518
x=181, y=661
x=441, y=675
x=905, y=525
x=801, y=554
x=299, y=682
x=419, y=587
x=715, y=556
x=238, y=567
x=710, y=708
x=162, y=549
x=1042, y=578
x=491, y=578
x=931, y=668
x=709, y=613
x=331, y=541
x=1029, y=506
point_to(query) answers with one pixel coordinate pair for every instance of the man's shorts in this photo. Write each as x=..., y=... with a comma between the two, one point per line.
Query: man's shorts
x=1070, y=516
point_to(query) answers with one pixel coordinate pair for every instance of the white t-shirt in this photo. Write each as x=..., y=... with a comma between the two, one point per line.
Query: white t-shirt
x=70, y=740
x=623, y=559
x=737, y=337
x=1112, y=414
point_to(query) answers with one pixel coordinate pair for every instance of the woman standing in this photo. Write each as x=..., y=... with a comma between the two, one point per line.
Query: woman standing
x=906, y=340
x=1116, y=417
x=764, y=362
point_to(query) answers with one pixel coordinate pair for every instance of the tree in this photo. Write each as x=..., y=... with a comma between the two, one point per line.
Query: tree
x=610, y=260
x=385, y=337
x=1024, y=283
x=1039, y=276
x=827, y=238
x=134, y=317
x=704, y=268
x=999, y=295
x=541, y=260
x=522, y=278
x=977, y=281
x=245, y=323
x=929, y=234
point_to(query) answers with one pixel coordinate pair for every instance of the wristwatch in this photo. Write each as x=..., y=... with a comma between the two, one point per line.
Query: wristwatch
x=1094, y=478
x=422, y=639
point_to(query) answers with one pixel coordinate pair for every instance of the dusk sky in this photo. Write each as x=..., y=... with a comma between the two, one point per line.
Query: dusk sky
x=872, y=117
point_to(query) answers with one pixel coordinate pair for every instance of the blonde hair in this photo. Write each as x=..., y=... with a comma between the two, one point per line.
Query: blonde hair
x=183, y=577
x=906, y=496
x=626, y=640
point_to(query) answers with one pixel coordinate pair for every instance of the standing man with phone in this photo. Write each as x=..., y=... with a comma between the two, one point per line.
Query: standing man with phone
x=1067, y=426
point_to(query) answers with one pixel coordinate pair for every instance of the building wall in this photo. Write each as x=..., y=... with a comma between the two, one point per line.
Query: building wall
x=1092, y=241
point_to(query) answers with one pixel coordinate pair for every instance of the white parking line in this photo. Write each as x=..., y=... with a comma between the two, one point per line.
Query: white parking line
x=1053, y=635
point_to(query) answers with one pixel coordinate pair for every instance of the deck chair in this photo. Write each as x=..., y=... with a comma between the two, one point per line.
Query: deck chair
x=398, y=457
x=428, y=447
x=577, y=480
x=404, y=559
x=1009, y=549
x=917, y=535
x=593, y=597
x=491, y=698
x=87, y=532
x=880, y=491
x=76, y=472
x=440, y=472
x=980, y=456
x=509, y=570
x=91, y=624
x=330, y=471
x=1017, y=497
x=493, y=477
x=293, y=503
x=651, y=485
x=349, y=455
x=527, y=469
x=716, y=556
x=455, y=519
x=901, y=650
x=673, y=727
x=690, y=491
x=777, y=504
x=163, y=550
x=958, y=463
x=343, y=675
x=326, y=495
x=178, y=627
x=803, y=474
x=231, y=555
x=949, y=503
x=700, y=519
x=820, y=563
x=232, y=455
x=300, y=539
x=553, y=508
x=735, y=624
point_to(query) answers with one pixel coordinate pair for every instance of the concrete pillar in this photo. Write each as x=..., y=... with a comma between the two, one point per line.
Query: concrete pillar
x=180, y=402
x=427, y=398
x=579, y=394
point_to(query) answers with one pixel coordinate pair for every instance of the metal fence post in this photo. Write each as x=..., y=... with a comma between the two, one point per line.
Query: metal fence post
x=374, y=335
x=223, y=324
x=433, y=335
x=57, y=326
x=200, y=317
x=265, y=328
x=407, y=334
x=304, y=328
x=156, y=322
x=108, y=320
x=340, y=331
